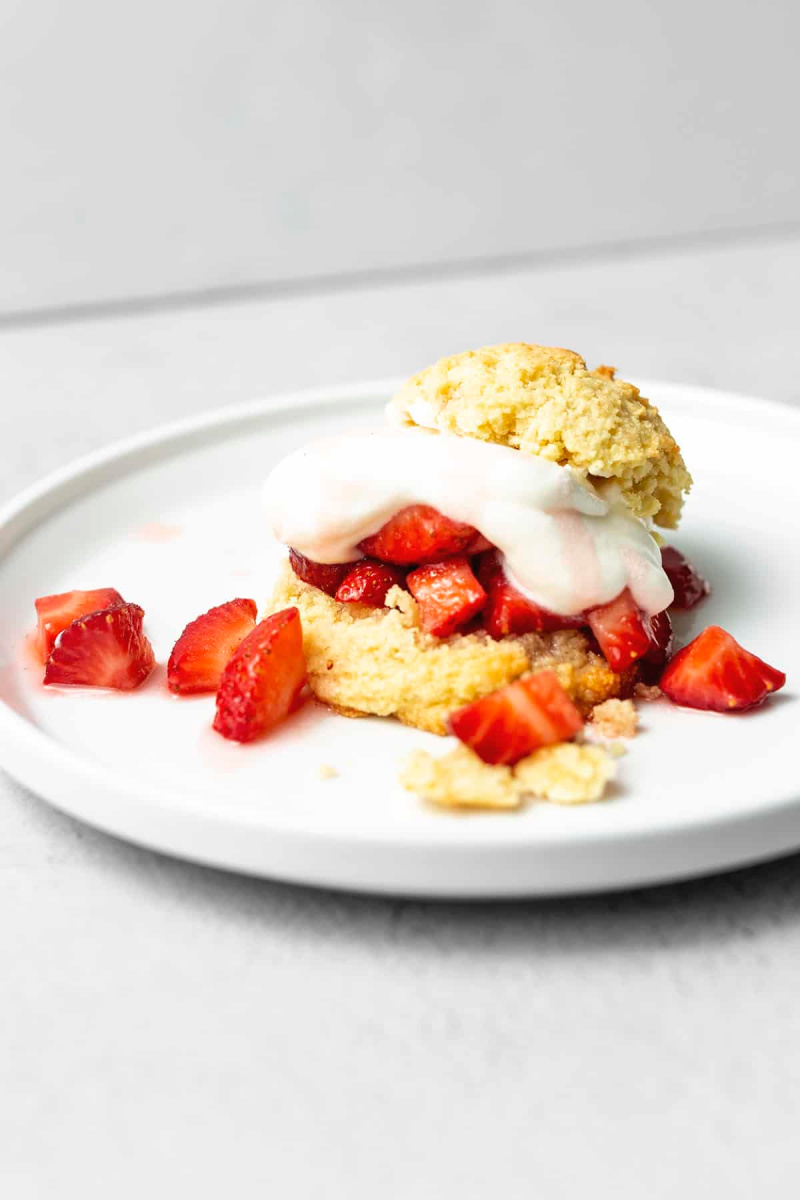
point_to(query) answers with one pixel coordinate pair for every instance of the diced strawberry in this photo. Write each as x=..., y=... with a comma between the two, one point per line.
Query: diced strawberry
x=264, y=679
x=200, y=654
x=325, y=576
x=368, y=583
x=715, y=672
x=419, y=534
x=448, y=595
x=512, y=722
x=688, y=584
x=622, y=630
x=653, y=662
x=103, y=649
x=508, y=610
x=57, y=612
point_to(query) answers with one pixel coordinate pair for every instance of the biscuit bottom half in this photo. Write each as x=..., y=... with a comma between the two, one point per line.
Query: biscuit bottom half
x=378, y=661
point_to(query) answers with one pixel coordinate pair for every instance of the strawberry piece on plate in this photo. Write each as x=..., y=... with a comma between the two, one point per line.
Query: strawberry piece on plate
x=55, y=613
x=622, y=630
x=325, y=576
x=508, y=610
x=688, y=584
x=512, y=722
x=204, y=648
x=264, y=679
x=419, y=534
x=661, y=643
x=448, y=595
x=714, y=672
x=368, y=583
x=103, y=649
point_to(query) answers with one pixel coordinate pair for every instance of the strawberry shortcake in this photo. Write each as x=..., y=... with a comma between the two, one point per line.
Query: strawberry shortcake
x=500, y=525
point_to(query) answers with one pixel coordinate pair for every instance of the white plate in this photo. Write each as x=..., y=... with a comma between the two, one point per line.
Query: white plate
x=172, y=520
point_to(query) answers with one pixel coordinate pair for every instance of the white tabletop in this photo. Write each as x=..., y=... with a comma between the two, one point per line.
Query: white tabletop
x=167, y=1030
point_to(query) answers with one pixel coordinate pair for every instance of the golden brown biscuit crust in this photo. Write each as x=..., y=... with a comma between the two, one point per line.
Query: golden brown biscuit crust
x=544, y=400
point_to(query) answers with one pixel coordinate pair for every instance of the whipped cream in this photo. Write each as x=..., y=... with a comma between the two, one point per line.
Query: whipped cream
x=564, y=545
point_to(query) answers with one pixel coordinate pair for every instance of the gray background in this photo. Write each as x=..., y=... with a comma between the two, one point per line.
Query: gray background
x=172, y=1031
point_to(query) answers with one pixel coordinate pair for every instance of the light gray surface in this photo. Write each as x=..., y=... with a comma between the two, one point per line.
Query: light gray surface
x=167, y=1030
x=181, y=144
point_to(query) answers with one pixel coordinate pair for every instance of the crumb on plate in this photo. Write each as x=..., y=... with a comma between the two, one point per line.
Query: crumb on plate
x=568, y=773
x=615, y=719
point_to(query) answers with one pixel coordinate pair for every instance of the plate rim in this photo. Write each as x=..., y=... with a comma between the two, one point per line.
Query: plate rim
x=30, y=754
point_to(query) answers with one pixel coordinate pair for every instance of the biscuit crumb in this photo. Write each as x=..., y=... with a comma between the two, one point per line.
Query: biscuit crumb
x=646, y=691
x=615, y=719
x=326, y=771
x=605, y=372
x=567, y=773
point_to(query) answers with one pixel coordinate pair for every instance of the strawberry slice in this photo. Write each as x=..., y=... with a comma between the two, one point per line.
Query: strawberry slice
x=622, y=630
x=653, y=662
x=510, y=611
x=419, y=534
x=263, y=681
x=325, y=576
x=688, y=584
x=715, y=672
x=103, y=649
x=448, y=595
x=202, y=651
x=368, y=583
x=512, y=722
x=57, y=612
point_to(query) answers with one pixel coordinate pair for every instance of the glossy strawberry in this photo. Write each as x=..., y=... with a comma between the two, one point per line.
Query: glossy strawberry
x=104, y=649
x=507, y=610
x=325, y=576
x=688, y=584
x=448, y=595
x=200, y=654
x=368, y=583
x=264, y=679
x=419, y=534
x=653, y=662
x=715, y=672
x=512, y=722
x=622, y=631
x=57, y=612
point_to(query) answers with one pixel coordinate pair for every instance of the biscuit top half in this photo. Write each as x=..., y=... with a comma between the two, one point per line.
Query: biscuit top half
x=543, y=400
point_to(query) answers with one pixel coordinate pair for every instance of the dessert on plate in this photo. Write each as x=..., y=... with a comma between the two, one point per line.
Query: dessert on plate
x=486, y=564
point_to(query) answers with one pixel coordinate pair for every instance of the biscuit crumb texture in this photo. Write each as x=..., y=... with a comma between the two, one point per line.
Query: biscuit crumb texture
x=544, y=400
x=379, y=661
x=615, y=719
x=568, y=773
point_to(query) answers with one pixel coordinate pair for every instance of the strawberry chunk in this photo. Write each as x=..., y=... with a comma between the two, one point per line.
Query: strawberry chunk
x=448, y=595
x=508, y=610
x=325, y=576
x=688, y=584
x=622, y=630
x=368, y=583
x=202, y=651
x=512, y=722
x=653, y=662
x=419, y=534
x=56, y=612
x=264, y=679
x=714, y=672
x=103, y=649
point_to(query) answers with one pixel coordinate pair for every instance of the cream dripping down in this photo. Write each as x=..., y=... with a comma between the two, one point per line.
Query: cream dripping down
x=564, y=545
